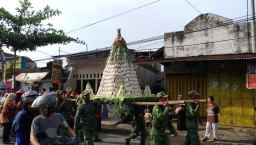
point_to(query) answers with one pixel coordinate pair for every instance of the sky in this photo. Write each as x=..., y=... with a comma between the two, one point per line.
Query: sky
x=152, y=20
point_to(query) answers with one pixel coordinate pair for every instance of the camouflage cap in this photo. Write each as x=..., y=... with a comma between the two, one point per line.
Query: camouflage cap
x=193, y=93
x=85, y=92
x=58, y=92
x=69, y=89
x=161, y=94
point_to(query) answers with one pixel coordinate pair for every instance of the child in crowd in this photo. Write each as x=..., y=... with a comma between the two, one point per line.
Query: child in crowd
x=148, y=119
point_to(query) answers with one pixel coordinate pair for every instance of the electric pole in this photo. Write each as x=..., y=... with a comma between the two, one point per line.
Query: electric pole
x=253, y=27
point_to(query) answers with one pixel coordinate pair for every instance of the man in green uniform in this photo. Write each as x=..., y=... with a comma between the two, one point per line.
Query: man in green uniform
x=85, y=118
x=160, y=122
x=73, y=103
x=191, y=120
x=65, y=107
x=138, y=125
x=97, y=106
x=68, y=93
x=97, y=116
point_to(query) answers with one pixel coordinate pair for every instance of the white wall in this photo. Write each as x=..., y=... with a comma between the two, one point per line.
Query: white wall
x=85, y=70
x=96, y=66
x=45, y=85
x=25, y=86
x=229, y=39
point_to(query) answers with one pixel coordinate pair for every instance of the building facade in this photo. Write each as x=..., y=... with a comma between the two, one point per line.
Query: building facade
x=88, y=67
x=211, y=56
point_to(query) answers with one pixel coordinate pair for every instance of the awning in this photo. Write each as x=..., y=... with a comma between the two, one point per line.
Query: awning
x=31, y=77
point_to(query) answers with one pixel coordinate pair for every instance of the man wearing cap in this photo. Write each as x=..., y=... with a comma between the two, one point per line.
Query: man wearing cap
x=73, y=104
x=191, y=120
x=160, y=122
x=68, y=94
x=65, y=107
x=85, y=118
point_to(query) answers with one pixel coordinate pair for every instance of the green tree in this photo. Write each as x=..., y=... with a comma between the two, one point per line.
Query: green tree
x=25, y=31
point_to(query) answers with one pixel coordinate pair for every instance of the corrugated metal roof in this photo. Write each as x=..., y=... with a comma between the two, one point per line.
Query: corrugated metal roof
x=31, y=77
x=240, y=56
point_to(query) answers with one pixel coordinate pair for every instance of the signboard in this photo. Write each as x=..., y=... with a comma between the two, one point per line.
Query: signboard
x=251, y=77
x=56, y=71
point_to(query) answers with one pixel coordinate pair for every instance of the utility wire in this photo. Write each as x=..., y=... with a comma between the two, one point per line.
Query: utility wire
x=138, y=48
x=205, y=27
x=43, y=52
x=193, y=7
x=64, y=52
x=114, y=16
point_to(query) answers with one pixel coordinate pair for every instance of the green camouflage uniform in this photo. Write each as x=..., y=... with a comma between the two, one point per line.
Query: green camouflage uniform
x=79, y=99
x=138, y=125
x=192, y=125
x=161, y=121
x=68, y=109
x=97, y=118
x=85, y=119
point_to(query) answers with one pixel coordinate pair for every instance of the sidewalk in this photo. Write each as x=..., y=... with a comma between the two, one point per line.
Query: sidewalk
x=227, y=135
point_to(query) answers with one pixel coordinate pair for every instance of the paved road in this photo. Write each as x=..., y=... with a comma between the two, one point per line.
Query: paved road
x=110, y=135
x=113, y=135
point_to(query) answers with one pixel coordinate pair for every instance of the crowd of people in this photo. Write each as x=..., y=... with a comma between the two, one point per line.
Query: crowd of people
x=63, y=116
x=161, y=119
x=54, y=117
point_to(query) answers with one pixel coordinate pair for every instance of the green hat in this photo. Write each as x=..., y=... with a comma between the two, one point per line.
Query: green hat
x=193, y=93
x=161, y=94
x=58, y=92
x=69, y=89
x=86, y=92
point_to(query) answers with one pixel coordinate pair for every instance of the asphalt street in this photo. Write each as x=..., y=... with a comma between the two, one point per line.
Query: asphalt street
x=109, y=134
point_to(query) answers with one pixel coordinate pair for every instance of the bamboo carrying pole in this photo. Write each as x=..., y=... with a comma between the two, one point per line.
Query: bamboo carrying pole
x=171, y=102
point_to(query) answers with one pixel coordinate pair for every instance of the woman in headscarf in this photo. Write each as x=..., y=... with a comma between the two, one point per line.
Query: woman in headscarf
x=7, y=115
x=17, y=99
x=2, y=101
x=181, y=115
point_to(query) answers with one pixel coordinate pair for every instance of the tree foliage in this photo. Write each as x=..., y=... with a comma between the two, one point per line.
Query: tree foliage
x=26, y=31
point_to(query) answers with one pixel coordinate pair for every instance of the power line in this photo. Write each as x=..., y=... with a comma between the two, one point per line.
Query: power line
x=64, y=52
x=114, y=16
x=43, y=52
x=193, y=7
x=138, y=48
x=205, y=27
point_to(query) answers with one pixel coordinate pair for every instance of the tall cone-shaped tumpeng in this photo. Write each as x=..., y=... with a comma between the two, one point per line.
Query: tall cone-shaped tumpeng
x=119, y=71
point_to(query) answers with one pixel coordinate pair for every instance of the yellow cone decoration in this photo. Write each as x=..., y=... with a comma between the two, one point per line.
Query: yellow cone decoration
x=147, y=91
x=88, y=88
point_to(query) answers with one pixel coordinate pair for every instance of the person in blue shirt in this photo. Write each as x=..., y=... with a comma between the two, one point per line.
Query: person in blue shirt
x=22, y=121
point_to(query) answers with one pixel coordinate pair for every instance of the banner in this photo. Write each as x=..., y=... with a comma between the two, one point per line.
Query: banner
x=56, y=71
x=251, y=76
x=3, y=64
